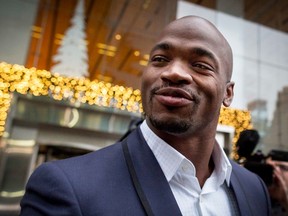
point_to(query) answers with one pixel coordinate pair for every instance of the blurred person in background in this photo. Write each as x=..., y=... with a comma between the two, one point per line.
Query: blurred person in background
x=246, y=144
x=273, y=172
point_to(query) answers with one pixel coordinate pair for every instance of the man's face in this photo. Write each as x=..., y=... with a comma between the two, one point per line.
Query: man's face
x=187, y=78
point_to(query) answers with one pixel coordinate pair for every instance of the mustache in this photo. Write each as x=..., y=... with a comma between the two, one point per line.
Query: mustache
x=193, y=94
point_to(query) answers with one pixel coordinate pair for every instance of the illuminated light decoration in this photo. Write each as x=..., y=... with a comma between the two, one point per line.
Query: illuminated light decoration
x=36, y=35
x=136, y=53
x=146, y=57
x=36, y=29
x=17, y=78
x=36, y=32
x=143, y=62
x=105, y=49
x=240, y=120
x=118, y=37
x=106, y=52
x=104, y=78
x=59, y=36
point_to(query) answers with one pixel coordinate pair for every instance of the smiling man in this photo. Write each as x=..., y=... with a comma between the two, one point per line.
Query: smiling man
x=171, y=164
x=187, y=80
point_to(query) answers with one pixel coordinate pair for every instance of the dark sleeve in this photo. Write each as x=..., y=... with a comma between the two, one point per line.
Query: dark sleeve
x=267, y=196
x=49, y=192
x=251, y=192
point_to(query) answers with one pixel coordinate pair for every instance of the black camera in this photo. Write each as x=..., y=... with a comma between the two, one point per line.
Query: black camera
x=278, y=155
x=264, y=170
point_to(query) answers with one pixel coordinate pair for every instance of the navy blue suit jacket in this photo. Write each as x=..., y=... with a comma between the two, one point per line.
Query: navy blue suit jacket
x=99, y=183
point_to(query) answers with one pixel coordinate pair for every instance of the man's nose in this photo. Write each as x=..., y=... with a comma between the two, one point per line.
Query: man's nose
x=177, y=72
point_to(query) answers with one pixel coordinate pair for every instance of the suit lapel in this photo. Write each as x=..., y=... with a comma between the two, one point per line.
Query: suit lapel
x=239, y=191
x=151, y=177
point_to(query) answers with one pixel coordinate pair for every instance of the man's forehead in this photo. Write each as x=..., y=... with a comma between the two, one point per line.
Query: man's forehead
x=191, y=27
x=191, y=22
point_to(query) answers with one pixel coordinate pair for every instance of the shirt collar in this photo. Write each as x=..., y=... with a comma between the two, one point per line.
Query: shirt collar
x=170, y=160
x=223, y=166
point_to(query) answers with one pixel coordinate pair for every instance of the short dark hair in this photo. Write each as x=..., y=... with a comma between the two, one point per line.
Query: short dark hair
x=248, y=139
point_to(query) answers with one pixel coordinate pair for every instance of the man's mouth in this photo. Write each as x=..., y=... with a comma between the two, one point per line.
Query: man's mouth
x=171, y=96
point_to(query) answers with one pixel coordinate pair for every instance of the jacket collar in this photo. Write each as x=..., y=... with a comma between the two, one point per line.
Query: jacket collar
x=240, y=195
x=155, y=186
x=151, y=177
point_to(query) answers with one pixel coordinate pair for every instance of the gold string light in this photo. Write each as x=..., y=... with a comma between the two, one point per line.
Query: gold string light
x=17, y=78
x=240, y=120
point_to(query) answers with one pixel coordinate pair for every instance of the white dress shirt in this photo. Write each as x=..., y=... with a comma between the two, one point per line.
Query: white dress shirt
x=213, y=198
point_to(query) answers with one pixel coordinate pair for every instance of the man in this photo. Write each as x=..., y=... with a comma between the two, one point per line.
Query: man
x=171, y=164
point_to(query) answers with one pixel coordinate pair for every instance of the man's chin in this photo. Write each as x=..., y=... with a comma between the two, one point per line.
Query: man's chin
x=170, y=126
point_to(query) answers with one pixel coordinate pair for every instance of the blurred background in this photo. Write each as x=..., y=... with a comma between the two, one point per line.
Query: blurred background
x=70, y=75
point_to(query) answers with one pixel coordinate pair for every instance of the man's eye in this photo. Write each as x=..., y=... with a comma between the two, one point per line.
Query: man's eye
x=159, y=59
x=202, y=66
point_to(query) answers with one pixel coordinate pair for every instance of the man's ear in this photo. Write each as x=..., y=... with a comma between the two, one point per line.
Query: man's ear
x=229, y=94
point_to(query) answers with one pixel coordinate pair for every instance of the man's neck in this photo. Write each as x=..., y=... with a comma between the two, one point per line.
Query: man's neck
x=200, y=154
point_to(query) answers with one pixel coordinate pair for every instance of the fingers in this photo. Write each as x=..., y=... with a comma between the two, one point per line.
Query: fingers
x=279, y=189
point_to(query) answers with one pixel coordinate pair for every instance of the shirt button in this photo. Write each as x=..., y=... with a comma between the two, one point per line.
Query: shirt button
x=200, y=199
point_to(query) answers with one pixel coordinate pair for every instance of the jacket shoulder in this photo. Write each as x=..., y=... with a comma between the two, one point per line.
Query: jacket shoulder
x=250, y=191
